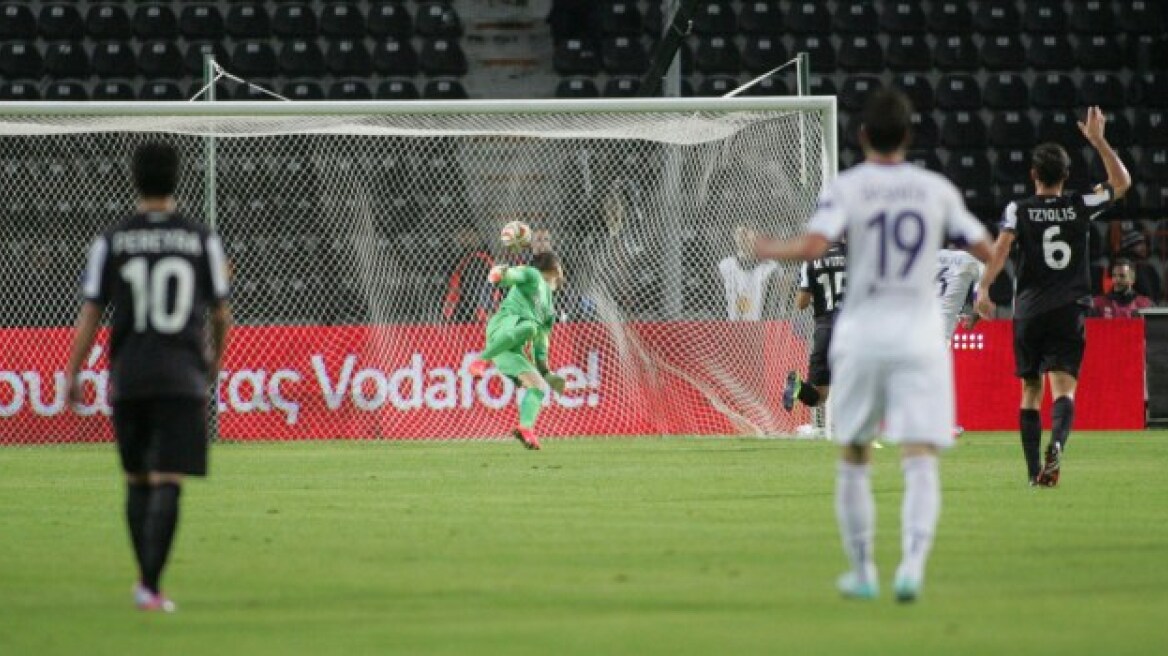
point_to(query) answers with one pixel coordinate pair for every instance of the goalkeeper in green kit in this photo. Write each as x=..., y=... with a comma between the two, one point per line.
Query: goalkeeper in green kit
x=525, y=317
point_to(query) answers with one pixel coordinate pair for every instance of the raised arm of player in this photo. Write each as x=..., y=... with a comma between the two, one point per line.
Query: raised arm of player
x=1117, y=175
x=995, y=261
x=506, y=276
x=804, y=247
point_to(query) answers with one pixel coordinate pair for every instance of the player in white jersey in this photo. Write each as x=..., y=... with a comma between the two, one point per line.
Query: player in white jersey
x=957, y=276
x=889, y=358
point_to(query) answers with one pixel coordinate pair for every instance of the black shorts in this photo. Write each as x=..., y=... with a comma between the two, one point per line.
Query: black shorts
x=818, y=368
x=1051, y=341
x=165, y=434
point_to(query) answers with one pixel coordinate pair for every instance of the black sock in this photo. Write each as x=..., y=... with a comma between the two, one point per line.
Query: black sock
x=1030, y=424
x=1062, y=415
x=137, y=506
x=808, y=394
x=160, y=525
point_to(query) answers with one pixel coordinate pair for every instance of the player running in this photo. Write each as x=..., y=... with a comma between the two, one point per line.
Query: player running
x=888, y=358
x=162, y=273
x=957, y=276
x=525, y=317
x=1052, y=288
x=821, y=287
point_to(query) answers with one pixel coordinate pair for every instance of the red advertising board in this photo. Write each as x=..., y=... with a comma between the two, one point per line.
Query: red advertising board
x=410, y=382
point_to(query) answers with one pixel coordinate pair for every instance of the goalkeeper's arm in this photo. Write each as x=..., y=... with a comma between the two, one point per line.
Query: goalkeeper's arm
x=506, y=276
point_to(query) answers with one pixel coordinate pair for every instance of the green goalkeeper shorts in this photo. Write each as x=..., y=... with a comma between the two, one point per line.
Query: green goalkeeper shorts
x=512, y=334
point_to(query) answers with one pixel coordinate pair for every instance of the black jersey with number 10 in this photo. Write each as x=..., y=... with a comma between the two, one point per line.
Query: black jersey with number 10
x=161, y=272
x=1051, y=263
x=825, y=278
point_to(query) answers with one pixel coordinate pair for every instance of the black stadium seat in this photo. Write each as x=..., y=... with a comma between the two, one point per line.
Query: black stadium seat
x=958, y=91
x=350, y=90
x=303, y=89
x=1050, y=52
x=1002, y=52
x=819, y=50
x=1142, y=17
x=395, y=57
x=622, y=55
x=19, y=91
x=950, y=17
x=160, y=59
x=760, y=17
x=1006, y=91
x=65, y=59
x=1153, y=165
x=444, y=90
x=161, y=90
x=577, y=87
x=1092, y=16
x=622, y=87
x=17, y=22
x=1098, y=52
x=909, y=52
x=193, y=57
x=855, y=17
x=114, y=90
x=443, y=57
x=956, y=52
x=398, y=90
x=770, y=86
x=926, y=134
x=349, y=58
x=1152, y=127
x=1149, y=89
x=963, y=130
x=155, y=21
x=1059, y=126
x=807, y=17
x=997, y=17
x=342, y=20
x=763, y=53
x=861, y=53
x=1012, y=129
x=855, y=91
x=201, y=21
x=59, y=21
x=1012, y=165
x=1044, y=17
x=248, y=21
x=902, y=17
x=968, y=168
x=301, y=58
x=70, y=91
x=717, y=86
x=1053, y=91
x=108, y=21
x=114, y=59
x=715, y=17
x=390, y=19
x=296, y=20
x=438, y=19
x=1119, y=129
x=621, y=17
x=919, y=90
x=254, y=59
x=1102, y=89
x=717, y=55
x=254, y=91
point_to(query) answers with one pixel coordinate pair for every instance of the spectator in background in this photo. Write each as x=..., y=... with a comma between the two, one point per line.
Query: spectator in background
x=469, y=297
x=745, y=278
x=1122, y=301
x=1134, y=248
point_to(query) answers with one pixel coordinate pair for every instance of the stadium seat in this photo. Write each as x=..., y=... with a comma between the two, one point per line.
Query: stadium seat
x=394, y=57
x=997, y=17
x=248, y=21
x=717, y=86
x=19, y=91
x=950, y=17
x=1053, y=90
x=902, y=17
x=1044, y=17
x=201, y=21
x=114, y=90
x=761, y=17
x=1050, y=52
x=1096, y=172
x=1152, y=126
x=1098, y=52
x=819, y=50
x=390, y=19
x=65, y=59
x=1059, y=126
x=925, y=132
x=770, y=86
x=1011, y=129
x=1153, y=165
x=717, y=55
x=861, y=53
x=1009, y=192
x=622, y=87
x=161, y=90
x=1002, y=52
x=1154, y=198
x=1092, y=17
x=577, y=87
x=193, y=57
x=909, y=52
x=59, y=21
x=155, y=21
x=16, y=21
x=1012, y=165
x=821, y=85
x=398, y=90
x=107, y=21
x=301, y=57
x=715, y=17
x=980, y=201
x=926, y=159
x=807, y=17
x=1146, y=51
x=444, y=90
x=438, y=19
x=66, y=91
x=622, y=55
x=956, y=52
x=114, y=59
x=855, y=17
x=919, y=90
x=349, y=90
x=160, y=59
x=1006, y=91
x=620, y=18
x=1102, y=89
x=296, y=20
x=958, y=91
x=855, y=91
x=1142, y=17
x=963, y=130
x=968, y=168
x=1149, y=89
x=443, y=57
x=763, y=53
x=303, y=89
x=342, y=20
x=254, y=59
x=575, y=57
x=350, y=58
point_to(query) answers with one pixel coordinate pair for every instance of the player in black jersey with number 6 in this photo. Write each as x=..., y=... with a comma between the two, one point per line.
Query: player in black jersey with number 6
x=821, y=286
x=1053, y=287
x=162, y=273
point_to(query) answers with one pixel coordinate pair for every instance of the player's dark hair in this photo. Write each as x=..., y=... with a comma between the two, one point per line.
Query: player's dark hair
x=887, y=120
x=1051, y=164
x=155, y=169
x=546, y=261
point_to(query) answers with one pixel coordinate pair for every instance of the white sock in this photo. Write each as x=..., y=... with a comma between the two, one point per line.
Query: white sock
x=856, y=511
x=922, y=506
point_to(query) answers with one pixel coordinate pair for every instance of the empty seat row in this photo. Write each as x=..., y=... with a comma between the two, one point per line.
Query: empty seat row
x=393, y=89
x=299, y=57
x=244, y=20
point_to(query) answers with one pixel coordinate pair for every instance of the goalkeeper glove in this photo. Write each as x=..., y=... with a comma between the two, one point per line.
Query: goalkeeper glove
x=496, y=273
x=555, y=382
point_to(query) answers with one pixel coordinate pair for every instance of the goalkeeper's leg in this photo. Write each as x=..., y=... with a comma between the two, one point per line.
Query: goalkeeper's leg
x=505, y=334
x=517, y=367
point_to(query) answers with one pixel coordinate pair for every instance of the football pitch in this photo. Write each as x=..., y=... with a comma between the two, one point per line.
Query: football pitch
x=592, y=546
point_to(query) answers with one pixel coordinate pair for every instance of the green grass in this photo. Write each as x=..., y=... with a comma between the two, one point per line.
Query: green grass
x=647, y=546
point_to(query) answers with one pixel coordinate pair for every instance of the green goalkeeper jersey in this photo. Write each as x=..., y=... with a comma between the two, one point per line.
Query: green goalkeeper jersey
x=530, y=297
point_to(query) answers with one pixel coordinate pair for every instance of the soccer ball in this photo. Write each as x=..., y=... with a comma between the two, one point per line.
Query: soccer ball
x=515, y=236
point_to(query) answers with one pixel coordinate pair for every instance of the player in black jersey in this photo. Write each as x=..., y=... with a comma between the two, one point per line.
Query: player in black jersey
x=162, y=274
x=821, y=286
x=1053, y=287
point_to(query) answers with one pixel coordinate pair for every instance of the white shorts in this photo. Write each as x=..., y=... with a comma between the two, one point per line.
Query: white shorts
x=911, y=397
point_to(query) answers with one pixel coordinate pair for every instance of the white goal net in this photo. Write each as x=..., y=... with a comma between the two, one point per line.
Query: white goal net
x=361, y=233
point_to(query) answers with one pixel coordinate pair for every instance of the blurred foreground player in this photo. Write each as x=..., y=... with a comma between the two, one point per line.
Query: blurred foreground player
x=162, y=273
x=888, y=357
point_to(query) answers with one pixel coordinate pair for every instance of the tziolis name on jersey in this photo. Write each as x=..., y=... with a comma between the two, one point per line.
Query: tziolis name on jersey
x=1052, y=214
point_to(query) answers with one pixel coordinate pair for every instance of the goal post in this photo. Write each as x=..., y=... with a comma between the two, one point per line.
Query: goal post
x=359, y=234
